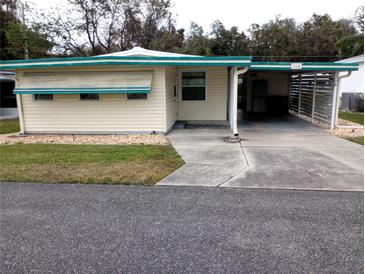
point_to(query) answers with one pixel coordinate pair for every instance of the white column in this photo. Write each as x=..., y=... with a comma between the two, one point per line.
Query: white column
x=336, y=98
x=314, y=97
x=233, y=86
x=20, y=111
x=232, y=109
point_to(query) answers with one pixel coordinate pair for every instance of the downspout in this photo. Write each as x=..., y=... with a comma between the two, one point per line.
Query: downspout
x=20, y=112
x=336, y=98
x=234, y=73
x=19, y=104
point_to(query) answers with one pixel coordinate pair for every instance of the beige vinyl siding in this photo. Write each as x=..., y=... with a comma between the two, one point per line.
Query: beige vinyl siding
x=171, y=103
x=112, y=113
x=215, y=105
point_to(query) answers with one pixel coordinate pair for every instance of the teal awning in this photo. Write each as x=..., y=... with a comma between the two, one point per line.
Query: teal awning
x=81, y=90
x=84, y=82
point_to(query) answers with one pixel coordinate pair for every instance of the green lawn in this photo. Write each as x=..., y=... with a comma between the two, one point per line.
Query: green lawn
x=9, y=126
x=356, y=117
x=359, y=140
x=104, y=164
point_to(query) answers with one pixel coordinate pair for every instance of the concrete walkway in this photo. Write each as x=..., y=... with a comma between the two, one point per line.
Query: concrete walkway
x=285, y=153
x=209, y=159
x=8, y=117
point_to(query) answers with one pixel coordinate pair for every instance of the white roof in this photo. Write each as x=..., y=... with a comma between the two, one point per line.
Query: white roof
x=355, y=59
x=138, y=51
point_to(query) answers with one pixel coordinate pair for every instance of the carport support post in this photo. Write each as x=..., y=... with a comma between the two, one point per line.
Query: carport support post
x=233, y=86
x=334, y=101
x=336, y=98
x=300, y=93
x=20, y=112
x=314, y=96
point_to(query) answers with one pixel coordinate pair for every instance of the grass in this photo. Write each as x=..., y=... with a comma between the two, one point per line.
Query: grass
x=9, y=126
x=355, y=117
x=358, y=140
x=101, y=164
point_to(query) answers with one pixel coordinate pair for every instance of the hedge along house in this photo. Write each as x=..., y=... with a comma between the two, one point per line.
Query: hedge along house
x=148, y=91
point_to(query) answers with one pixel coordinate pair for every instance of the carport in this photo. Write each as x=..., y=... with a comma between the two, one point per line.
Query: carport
x=275, y=89
x=281, y=151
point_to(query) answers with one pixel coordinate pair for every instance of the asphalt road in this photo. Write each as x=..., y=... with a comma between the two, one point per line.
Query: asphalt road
x=115, y=229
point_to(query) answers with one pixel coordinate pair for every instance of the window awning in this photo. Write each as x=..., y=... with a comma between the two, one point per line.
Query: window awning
x=85, y=82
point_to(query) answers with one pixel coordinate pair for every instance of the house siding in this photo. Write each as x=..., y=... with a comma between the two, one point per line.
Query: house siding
x=113, y=113
x=214, y=108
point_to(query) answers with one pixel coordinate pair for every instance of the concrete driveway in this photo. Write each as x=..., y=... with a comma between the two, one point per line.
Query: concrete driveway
x=284, y=153
x=209, y=159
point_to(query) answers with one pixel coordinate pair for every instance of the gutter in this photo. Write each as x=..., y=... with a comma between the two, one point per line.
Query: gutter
x=234, y=73
x=20, y=111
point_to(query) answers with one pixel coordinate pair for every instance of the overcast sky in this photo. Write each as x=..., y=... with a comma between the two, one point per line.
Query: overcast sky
x=243, y=13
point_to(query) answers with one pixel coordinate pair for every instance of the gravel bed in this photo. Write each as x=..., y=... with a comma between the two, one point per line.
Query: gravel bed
x=347, y=132
x=342, y=122
x=156, y=139
x=341, y=132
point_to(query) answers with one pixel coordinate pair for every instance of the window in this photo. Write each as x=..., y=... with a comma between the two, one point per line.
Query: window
x=89, y=96
x=193, y=86
x=136, y=96
x=43, y=97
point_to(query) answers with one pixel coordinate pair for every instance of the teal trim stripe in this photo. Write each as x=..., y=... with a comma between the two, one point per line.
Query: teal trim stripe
x=306, y=66
x=81, y=90
x=137, y=58
x=128, y=60
x=239, y=61
x=209, y=63
x=303, y=69
x=304, y=63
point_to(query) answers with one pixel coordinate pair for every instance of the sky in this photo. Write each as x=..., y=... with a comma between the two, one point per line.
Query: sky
x=243, y=13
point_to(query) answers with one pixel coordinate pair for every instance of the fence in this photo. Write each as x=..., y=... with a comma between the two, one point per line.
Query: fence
x=311, y=95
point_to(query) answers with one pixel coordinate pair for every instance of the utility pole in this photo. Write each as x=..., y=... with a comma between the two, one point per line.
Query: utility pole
x=26, y=51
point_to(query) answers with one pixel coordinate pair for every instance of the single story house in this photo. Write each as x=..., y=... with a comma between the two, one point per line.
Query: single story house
x=355, y=82
x=352, y=88
x=7, y=97
x=139, y=90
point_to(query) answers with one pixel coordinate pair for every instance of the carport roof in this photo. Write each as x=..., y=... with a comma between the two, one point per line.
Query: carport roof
x=304, y=66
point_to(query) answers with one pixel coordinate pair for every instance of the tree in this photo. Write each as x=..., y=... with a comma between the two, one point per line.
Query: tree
x=277, y=38
x=319, y=34
x=359, y=18
x=5, y=19
x=16, y=36
x=103, y=26
x=92, y=27
x=20, y=36
x=197, y=43
x=228, y=42
x=354, y=44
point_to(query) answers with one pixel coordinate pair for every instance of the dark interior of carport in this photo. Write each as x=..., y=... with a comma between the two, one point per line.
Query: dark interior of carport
x=277, y=91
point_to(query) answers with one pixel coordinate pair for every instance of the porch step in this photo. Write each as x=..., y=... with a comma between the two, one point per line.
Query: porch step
x=180, y=124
